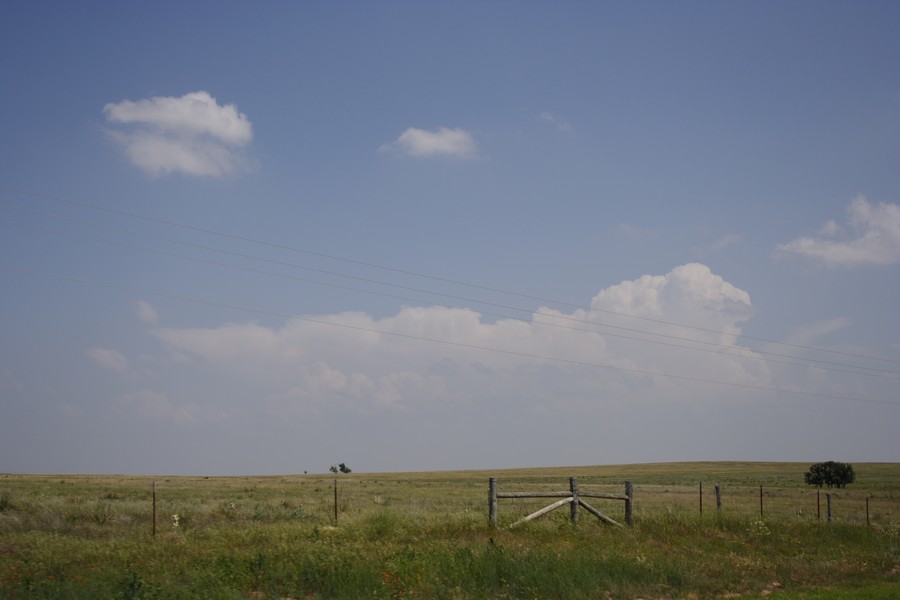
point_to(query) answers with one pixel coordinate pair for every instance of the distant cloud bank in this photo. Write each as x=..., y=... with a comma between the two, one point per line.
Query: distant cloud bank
x=456, y=143
x=192, y=134
x=354, y=361
x=871, y=237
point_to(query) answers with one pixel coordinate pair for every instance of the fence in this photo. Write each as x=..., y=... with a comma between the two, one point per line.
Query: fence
x=347, y=499
x=852, y=505
x=573, y=497
x=425, y=498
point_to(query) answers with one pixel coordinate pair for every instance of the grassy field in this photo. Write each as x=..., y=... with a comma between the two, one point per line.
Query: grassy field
x=426, y=535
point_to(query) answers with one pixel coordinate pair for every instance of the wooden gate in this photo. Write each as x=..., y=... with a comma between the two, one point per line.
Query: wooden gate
x=572, y=497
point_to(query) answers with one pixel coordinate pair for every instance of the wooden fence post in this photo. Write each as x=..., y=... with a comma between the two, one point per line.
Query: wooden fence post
x=701, y=498
x=867, y=511
x=760, y=502
x=335, y=503
x=629, y=503
x=154, y=509
x=818, y=505
x=718, y=498
x=492, y=501
x=828, y=503
x=573, y=486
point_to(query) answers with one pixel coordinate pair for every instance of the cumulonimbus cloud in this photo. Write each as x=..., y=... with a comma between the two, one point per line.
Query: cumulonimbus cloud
x=191, y=134
x=435, y=354
x=871, y=237
x=444, y=141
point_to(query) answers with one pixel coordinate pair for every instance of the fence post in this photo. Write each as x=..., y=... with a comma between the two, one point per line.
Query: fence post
x=629, y=503
x=573, y=486
x=760, y=502
x=867, y=511
x=818, y=505
x=701, y=498
x=718, y=498
x=828, y=503
x=154, y=509
x=492, y=501
x=335, y=503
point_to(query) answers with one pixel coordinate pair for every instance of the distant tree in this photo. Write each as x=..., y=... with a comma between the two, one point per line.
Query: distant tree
x=333, y=469
x=343, y=468
x=830, y=473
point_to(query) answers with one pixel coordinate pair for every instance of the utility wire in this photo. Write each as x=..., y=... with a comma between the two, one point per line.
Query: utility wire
x=448, y=342
x=723, y=350
x=424, y=275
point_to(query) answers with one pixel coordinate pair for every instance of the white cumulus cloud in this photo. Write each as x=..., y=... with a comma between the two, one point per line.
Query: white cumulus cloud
x=370, y=364
x=456, y=143
x=870, y=237
x=191, y=134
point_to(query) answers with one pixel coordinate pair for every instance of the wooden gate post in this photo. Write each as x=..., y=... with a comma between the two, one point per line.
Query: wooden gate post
x=573, y=486
x=492, y=501
x=629, y=503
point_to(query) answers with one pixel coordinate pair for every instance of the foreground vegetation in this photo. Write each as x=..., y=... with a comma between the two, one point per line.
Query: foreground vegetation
x=425, y=535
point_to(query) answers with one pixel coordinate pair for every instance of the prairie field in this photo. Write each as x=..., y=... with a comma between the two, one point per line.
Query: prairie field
x=427, y=535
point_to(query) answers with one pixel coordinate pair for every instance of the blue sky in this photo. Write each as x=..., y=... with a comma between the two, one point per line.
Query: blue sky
x=267, y=238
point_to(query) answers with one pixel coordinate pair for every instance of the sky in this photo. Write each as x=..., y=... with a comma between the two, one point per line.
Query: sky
x=266, y=238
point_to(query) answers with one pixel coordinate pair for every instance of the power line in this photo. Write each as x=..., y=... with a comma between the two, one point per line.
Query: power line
x=723, y=350
x=428, y=276
x=448, y=342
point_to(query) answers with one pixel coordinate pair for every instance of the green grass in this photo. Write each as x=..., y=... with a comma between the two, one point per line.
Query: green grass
x=425, y=535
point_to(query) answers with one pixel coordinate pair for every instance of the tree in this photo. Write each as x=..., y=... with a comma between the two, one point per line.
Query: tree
x=343, y=468
x=333, y=469
x=830, y=473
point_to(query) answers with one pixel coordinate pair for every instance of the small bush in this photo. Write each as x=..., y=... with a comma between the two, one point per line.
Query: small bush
x=101, y=513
